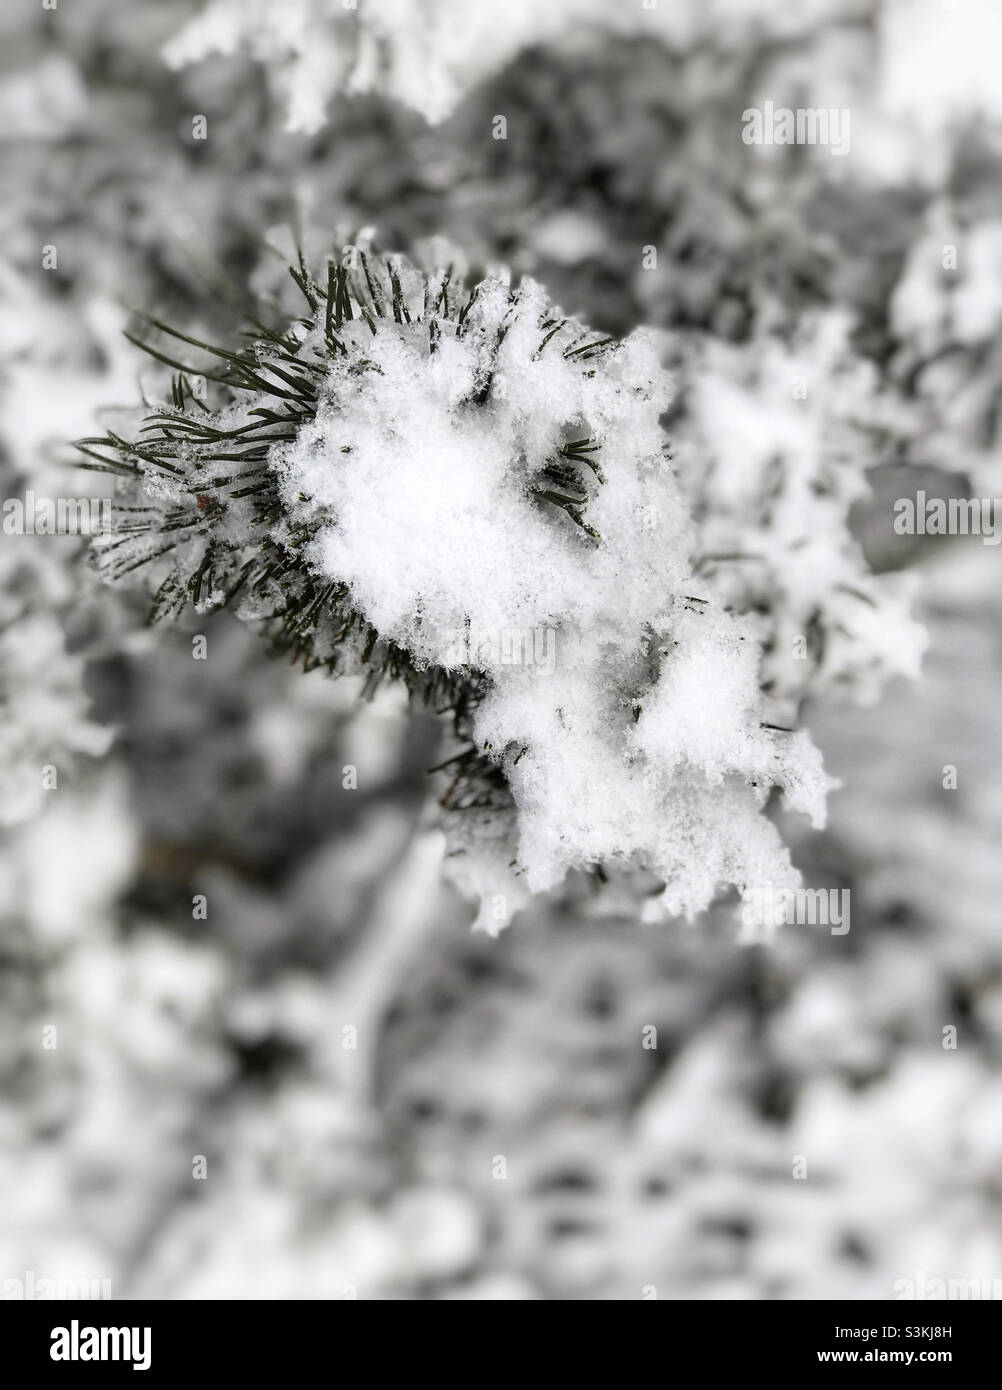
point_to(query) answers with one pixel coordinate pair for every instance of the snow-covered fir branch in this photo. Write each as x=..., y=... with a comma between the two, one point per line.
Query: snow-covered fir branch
x=420, y=479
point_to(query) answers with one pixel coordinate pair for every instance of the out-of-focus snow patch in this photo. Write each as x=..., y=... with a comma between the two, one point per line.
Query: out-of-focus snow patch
x=44, y=102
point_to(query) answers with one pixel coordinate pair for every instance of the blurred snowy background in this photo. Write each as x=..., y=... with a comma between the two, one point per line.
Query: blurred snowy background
x=196, y=1126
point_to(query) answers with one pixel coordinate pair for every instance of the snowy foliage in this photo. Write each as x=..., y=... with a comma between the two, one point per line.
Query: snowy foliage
x=46, y=722
x=429, y=54
x=484, y=484
x=426, y=54
x=45, y=715
x=420, y=52
x=945, y=315
x=825, y=338
x=774, y=441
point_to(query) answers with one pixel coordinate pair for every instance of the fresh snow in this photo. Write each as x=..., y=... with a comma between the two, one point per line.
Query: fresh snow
x=647, y=739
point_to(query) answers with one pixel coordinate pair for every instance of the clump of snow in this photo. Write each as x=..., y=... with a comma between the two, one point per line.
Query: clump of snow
x=492, y=486
x=773, y=441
